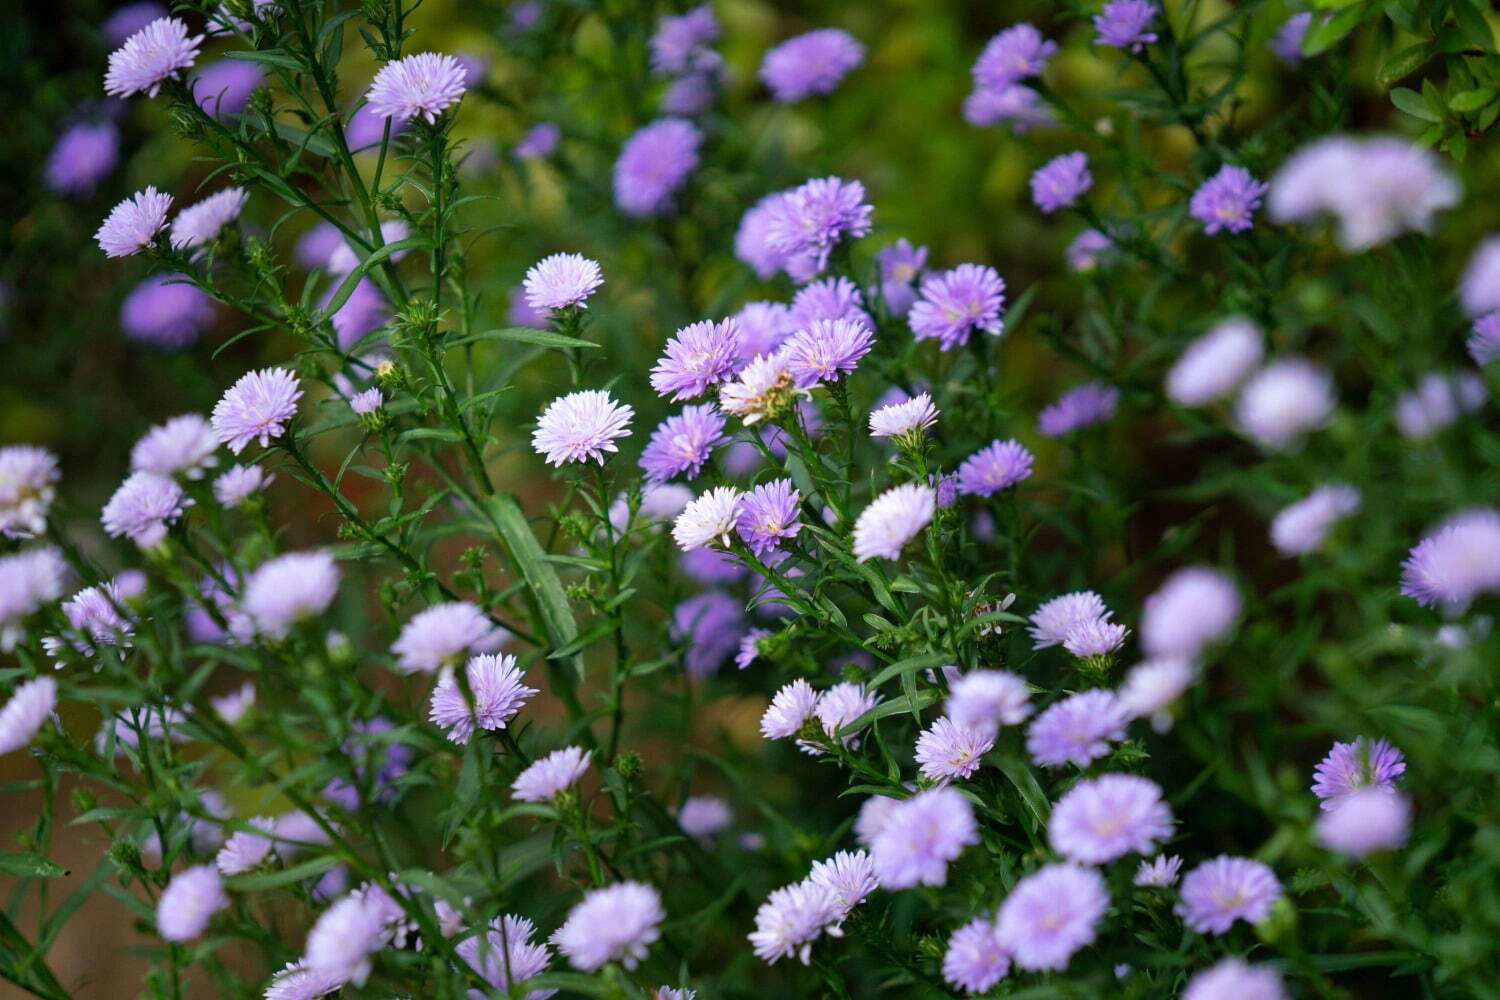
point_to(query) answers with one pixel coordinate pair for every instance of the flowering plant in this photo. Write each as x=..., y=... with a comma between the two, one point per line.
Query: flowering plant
x=728, y=612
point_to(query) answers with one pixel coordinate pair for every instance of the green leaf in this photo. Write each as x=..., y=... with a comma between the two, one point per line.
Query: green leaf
x=1404, y=63
x=29, y=866
x=346, y=287
x=910, y=665
x=1411, y=102
x=1471, y=100
x=544, y=589
x=1322, y=37
x=524, y=335
x=286, y=876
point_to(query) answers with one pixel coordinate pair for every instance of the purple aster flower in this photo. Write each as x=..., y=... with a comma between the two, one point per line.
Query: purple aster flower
x=910, y=419
x=189, y=902
x=233, y=707
x=750, y=647
x=297, y=982
x=849, y=875
x=130, y=18
x=165, y=312
x=1104, y=819
x=791, y=919
x=1084, y=253
x=764, y=327
x=289, y=589
x=1216, y=362
x=1356, y=766
x=789, y=710
x=1021, y=106
x=134, y=224
x=678, y=43
x=224, y=87
x=1479, y=289
x=29, y=579
x=561, y=280
x=892, y=519
x=1050, y=915
x=259, y=407
x=839, y=706
x=1061, y=181
x=1097, y=637
x=807, y=222
x=541, y=140
x=1456, y=563
x=548, y=775
x=506, y=954
x=143, y=507
x=901, y=265
x=84, y=154
x=28, y=478
x=367, y=402
x=617, y=923
x=1363, y=822
x=367, y=746
x=1284, y=401
x=240, y=483
x=1287, y=42
x=955, y=303
x=366, y=128
x=709, y=624
x=417, y=86
x=150, y=57
x=998, y=466
x=1377, y=188
x=1437, y=402
x=752, y=239
x=1014, y=54
x=811, y=63
x=363, y=312
x=1227, y=200
x=704, y=815
x=1077, y=729
x=345, y=935
x=698, y=356
x=708, y=519
x=1158, y=873
x=768, y=514
x=1151, y=688
x=94, y=619
x=182, y=446
x=1054, y=619
x=1081, y=406
x=946, y=751
x=444, y=634
x=988, y=699
x=1122, y=24
x=1484, y=342
x=345, y=257
x=827, y=350
x=246, y=849
x=494, y=683
x=826, y=300
x=653, y=164
x=974, y=960
x=581, y=426
x=1193, y=609
x=1233, y=979
x=1226, y=889
x=682, y=443
x=26, y=712
x=1300, y=528
x=920, y=837
x=201, y=222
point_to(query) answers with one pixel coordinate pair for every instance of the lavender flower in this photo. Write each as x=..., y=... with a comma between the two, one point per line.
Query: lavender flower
x=444, y=634
x=1054, y=619
x=540, y=141
x=763, y=390
x=974, y=960
x=130, y=18
x=1232, y=978
x=561, y=280
x=1104, y=819
x=682, y=443
x=826, y=351
x=143, y=507
x=988, y=699
x=506, y=954
x=28, y=477
x=1479, y=289
x=710, y=625
x=1021, y=106
x=28, y=709
x=345, y=935
x=289, y=589
x=224, y=87
x=1077, y=729
x=233, y=707
x=768, y=514
x=1050, y=915
x=1284, y=401
x=789, y=710
x=156, y=53
x=1226, y=889
x=1086, y=250
x=134, y=224
x=1014, y=54
x=260, y=406
x=1437, y=402
x=422, y=85
x=581, y=426
x=246, y=849
x=1151, y=688
x=165, y=312
x=764, y=327
x=955, y=303
x=240, y=483
x=94, y=619
x=653, y=164
x=201, y=222
x=901, y=264
x=547, y=776
x=704, y=815
x=998, y=466
x=829, y=299
x=1484, y=342
x=617, y=923
x=908, y=420
x=921, y=836
x=791, y=919
x=84, y=155
x=708, y=519
x=892, y=519
x=1356, y=766
x=182, y=446
x=29, y=580
x=849, y=875
x=1216, y=362
x=1082, y=406
x=1456, y=563
x=189, y=902
x=750, y=647
x=297, y=982
x=698, y=356
x=1301, y=527
x=678, y=43
x=946, y=751
x=1227, y=200
x=1061, y=181
x=1094, y=638
x=1122, y=24
x=752, y=239
x=495, y=684
x=1363, y=822
x=809, y=64
x=1158, y=873
x=1193, y=609
x=369, y=745
x=809, y=221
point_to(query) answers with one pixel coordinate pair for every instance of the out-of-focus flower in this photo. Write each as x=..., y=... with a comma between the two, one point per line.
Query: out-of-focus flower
x=1081, y=406
x=239, y=483
x=506, y=954
x=901, y=266
x=143, y=508
x=1484, y=342
x=1479, y=289
x=27, y=710
x=126, y=20
x=245, y=849
x=679, y=41
x=84, y=154
x=1455, y=563
x=1050, y=915
x=540, y=141
x=289, y=589
x=704, y=815
x=189, y=902
x=921, y=836
x=1151, y=688
x=1195, y=607
x=28, y=485
x=345, y=935
x=1363, y=822
x=1301, y=527
x=1076, y=730
x=1227, y=200
x=988, y=699
x=258, y=407
x=709, y=624
x=1021, y=106
x=974, y=959
x=183, y=446
x=224, y=87
x=29, y=580
x=1211, y=366
x=1061, y=181
x=1287, y=42
x=444, y=634
x=829, y=299
x=1108, y=817
x=154, y=54
x=1233, y=978
x=809, y=64
x=421, y=85
x=653, y=164
x=1014, y=54
x=1122, y=24
x=1438, y=401
x=1226, y=889
x=617, y=923
x=1087, y=249
x=547, y=776
x=165, y=312
x=580, y=427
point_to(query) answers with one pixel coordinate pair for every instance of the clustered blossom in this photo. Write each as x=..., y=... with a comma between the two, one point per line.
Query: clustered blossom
x=494, y=682
x=810, y=64
x=1226, y=889
x=153, y=55
x=422, y=85
x=28, y=485
x=560, y=281
x=1227, y=200
x=1061, y=181
x=697, y=357
x=921, y=836
x=580, y=427
x=954, y=304
x=617, y=923
x=653, y=164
